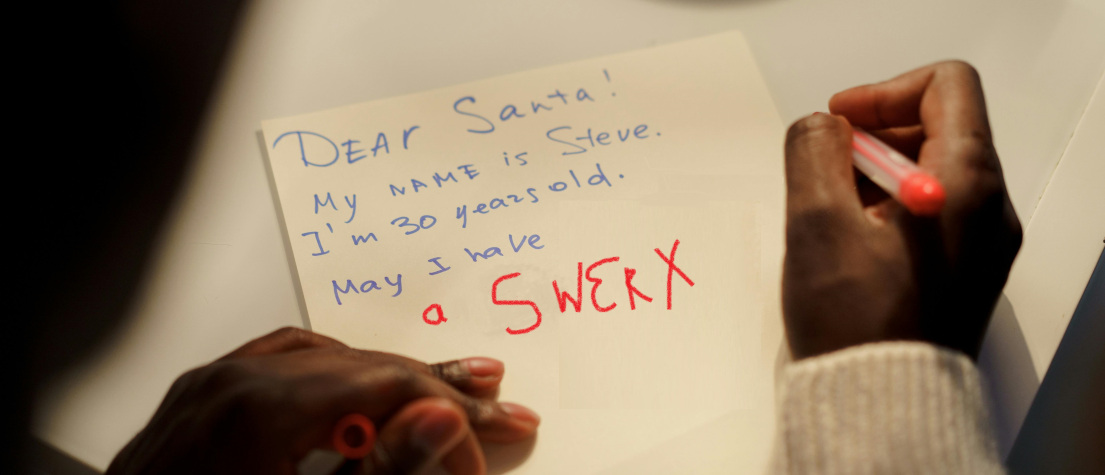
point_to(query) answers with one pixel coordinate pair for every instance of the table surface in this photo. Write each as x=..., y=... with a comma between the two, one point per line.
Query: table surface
x=221, y=274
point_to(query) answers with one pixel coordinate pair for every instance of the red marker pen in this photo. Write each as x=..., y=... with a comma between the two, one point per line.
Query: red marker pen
x=354, y=436
x=918, y=191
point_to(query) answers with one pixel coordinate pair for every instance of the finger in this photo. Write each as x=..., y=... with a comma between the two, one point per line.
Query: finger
x=946, y=95
x=420, y=436
x=500, y=422
x=891, y=103
x=906, y=140
x=476, y=377
x=519, y=423
x=945, y=98
x=282, y=341
x=819, y=165
x=466, y=457
x=379, y=385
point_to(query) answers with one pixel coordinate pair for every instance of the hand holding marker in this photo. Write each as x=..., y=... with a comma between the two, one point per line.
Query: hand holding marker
x=918, y=191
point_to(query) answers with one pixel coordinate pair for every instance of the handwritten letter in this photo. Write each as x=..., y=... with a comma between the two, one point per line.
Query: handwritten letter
x=608, y=228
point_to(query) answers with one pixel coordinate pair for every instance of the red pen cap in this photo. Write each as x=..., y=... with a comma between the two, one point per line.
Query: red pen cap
x=922, y=195
x=354, y=436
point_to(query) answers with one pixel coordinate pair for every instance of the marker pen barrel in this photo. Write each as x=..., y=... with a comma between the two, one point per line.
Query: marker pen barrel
x=918, y=191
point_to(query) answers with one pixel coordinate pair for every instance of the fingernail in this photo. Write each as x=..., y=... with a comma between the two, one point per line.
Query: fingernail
x=434, y=432
x=481, y=367
x=520, y=412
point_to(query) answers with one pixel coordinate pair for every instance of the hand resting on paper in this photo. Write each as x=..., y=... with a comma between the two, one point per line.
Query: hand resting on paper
x=264, y=406
x=859, y=268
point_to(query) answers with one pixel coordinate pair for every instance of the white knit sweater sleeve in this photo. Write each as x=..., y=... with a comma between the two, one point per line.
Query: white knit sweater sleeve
x=897, y=407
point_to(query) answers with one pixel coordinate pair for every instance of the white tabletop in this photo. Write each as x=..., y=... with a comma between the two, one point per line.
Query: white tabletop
x=221, y=275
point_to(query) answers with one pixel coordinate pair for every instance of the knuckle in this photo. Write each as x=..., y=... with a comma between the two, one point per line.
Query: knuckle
x=346, y=353
x=187, y=379
x=959, y=68
x=438, y=370
x=819, y=135
x=185, y=384
x=242, y=398
x=1014, y=231
x=290, y=333
x=977, y=149
x=477, y=411
x=222, y=375
x=449, y=371
x=256, y=403
x=1015, y=240
x=400, y=381
x=988, y=197
x=813, y=128
x=990, y=213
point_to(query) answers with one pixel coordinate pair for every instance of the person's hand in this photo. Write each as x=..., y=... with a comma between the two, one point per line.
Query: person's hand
x=859, y=268
x=263, y=407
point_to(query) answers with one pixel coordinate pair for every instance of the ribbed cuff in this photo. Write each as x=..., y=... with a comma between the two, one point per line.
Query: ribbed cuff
x=900, y=407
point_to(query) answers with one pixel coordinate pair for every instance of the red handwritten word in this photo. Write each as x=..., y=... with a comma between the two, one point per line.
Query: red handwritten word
x=563, y=298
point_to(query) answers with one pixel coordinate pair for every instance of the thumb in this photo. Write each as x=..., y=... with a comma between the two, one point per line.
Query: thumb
x=819, y=165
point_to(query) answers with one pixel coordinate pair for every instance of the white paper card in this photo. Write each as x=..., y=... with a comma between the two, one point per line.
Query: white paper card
x=439, y=225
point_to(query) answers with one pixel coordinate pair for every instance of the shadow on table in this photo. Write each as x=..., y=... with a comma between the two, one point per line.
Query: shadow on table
x=1064, y=430
x=1008, y=373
